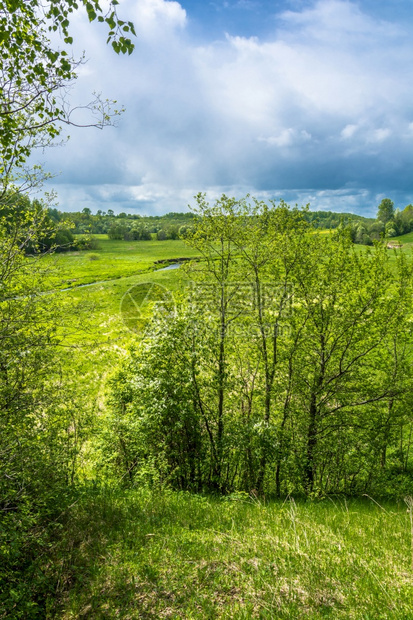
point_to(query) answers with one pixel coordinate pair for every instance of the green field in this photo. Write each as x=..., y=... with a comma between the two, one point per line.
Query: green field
x=95, y=337
x=112, y=260
x=137, y=554
x=405, y=240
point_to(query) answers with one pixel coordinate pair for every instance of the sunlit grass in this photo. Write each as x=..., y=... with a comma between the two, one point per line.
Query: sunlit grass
x=111, y=260
x=404, y=239
x=139, y=554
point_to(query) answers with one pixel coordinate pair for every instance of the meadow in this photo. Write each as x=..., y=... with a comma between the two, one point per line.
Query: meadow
x=157, y=554
x=111, y=260
x=89, y=287
x=117, y=549
x=406, y=240
x=139, y=553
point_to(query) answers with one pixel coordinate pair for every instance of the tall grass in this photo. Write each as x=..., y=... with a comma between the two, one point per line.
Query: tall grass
x=140, y=554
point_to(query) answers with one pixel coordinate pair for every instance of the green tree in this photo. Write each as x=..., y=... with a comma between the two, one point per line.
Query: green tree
x=385, y=211
x=352, y=350
x=161, y=235
x=390, y=229
x=290, y=358
x=39, y=429
x=156, y=427
x=35, y=75
x=213, y=238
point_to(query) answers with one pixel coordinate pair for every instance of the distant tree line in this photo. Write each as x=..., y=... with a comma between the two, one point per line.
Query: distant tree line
x=123, y=226
x=390, y=222
x=329, y=220
x=63, y=231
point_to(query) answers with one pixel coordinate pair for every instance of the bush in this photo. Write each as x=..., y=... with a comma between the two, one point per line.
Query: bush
x=161, y=235
x=117, y=232
x=86, y=243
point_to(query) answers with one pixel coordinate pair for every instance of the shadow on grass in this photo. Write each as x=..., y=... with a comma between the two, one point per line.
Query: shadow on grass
x=104, y=569
x=139, y=554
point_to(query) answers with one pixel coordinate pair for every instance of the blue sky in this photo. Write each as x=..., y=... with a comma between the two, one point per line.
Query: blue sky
x=305, y=100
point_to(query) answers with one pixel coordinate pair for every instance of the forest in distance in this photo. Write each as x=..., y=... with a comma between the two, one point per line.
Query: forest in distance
x=62, y=230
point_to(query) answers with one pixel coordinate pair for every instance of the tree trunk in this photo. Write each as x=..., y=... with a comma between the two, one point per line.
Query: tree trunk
x=309, y=470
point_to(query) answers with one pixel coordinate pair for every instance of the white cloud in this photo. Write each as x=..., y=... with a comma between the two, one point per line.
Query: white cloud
x=349, y=131
x=319, y=103
x=288, y=137
x=154, y=17
x=379, y=135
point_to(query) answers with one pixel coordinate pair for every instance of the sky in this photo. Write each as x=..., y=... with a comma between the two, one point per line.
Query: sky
x=310, y=101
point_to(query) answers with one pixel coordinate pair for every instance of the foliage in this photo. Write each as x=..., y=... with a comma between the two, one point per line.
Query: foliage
x=363, y=231
x=390, y=222
x=385, y=211
x=129, y=227
x=17, y=210
x=40, y=417
x=41, y=410
x=287, y=369
x=35, y=75
x=86, y=242
x=110, y=552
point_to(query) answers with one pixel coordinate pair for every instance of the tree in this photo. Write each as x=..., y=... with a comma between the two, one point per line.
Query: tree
x=290, y=358
x=156, y=427
x=161, y=235
x=390, y=229
x=35, y=76
x=260, y=230
x=353, y=346
x=385, y=211
x=39, y=429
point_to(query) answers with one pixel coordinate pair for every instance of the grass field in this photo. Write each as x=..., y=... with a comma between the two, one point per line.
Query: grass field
x=95, y=338
x=137, y=554
x=112, y=259
x=405, y=240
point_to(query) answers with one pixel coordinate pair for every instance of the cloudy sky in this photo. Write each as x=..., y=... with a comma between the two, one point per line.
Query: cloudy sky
x=305, y=100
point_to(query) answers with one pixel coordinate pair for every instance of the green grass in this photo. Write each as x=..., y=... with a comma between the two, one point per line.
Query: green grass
x=95, y=338
x=406, y=239
x=112, y=259
x=137, y=554
x=141, y=554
